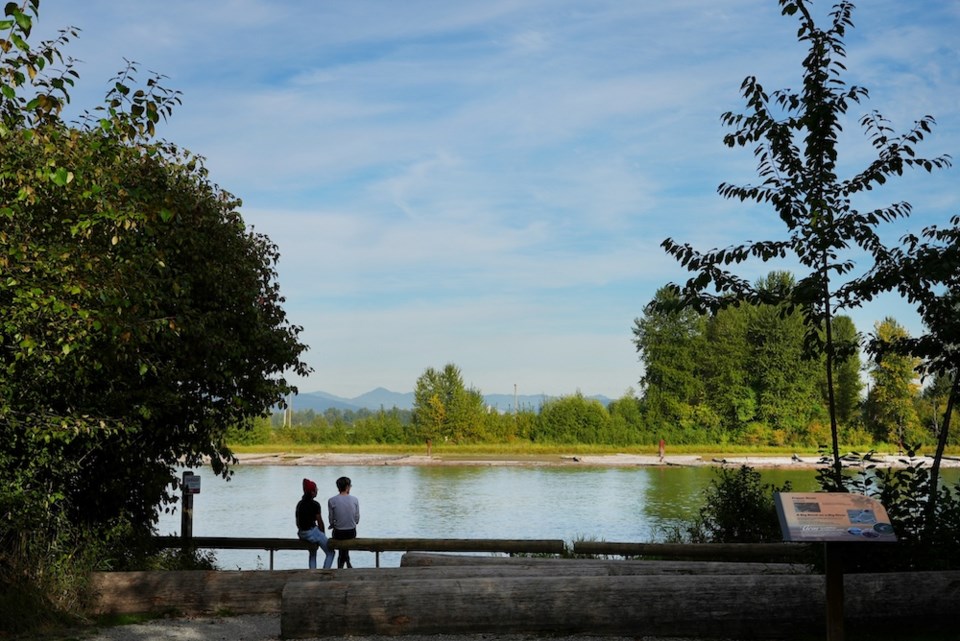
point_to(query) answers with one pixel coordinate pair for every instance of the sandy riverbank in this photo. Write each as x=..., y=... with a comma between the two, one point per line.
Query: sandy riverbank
x=567, y=460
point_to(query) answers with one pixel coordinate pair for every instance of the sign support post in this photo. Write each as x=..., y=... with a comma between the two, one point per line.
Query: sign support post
x=189, y=487
x=833, y=569
x=837, y=519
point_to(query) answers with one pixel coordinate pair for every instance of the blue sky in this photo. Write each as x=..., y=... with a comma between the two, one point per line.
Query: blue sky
x=488, y=183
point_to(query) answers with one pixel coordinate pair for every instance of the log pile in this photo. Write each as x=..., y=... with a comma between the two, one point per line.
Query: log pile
x=561, y=597
x=434, y=594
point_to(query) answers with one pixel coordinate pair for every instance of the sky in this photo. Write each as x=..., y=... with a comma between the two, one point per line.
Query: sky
x=487, y=183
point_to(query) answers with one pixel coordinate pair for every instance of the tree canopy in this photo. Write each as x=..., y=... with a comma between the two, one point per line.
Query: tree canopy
x=795, y=135
x=142, y=318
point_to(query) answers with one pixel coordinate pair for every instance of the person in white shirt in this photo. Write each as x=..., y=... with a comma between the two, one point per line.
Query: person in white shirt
x=343, y=511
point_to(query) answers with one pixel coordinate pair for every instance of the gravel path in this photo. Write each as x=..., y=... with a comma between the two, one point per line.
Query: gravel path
x=267, y=628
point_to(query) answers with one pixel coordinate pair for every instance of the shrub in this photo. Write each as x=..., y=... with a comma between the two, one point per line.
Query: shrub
x=738, y=509
x=925, y=541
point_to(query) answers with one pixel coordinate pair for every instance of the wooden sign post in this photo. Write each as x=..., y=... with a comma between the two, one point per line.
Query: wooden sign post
x=833, y=518
x=189, y=487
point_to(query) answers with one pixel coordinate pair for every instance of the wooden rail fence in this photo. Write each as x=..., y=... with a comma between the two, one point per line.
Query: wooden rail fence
x=375, y=545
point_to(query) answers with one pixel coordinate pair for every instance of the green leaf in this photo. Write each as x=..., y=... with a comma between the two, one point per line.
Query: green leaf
x=61, y=177
x=20, y=42
x=23, y=20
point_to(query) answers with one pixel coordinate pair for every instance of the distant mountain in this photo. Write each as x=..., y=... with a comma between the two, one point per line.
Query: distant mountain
x=380, y=397
x=321, y=402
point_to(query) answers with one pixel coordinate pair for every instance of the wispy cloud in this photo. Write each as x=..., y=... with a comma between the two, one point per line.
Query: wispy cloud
x=487, y=183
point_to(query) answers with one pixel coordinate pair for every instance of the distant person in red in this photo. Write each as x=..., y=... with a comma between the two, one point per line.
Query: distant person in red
x=662, y=449
x=310, y=525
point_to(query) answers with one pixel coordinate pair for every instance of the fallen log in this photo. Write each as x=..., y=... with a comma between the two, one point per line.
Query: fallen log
x=748, y=606
x=252, y=592
x=190, y=592
x=760, y=552
x=601, y=566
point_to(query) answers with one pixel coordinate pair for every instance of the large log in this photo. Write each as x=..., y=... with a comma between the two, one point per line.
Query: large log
x=760, y=552
x=752, y=606
x=250, y=592
x=598, y=566
x=190, y=592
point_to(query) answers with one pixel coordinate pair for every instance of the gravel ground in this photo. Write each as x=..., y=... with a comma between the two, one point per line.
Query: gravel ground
x=267, y=628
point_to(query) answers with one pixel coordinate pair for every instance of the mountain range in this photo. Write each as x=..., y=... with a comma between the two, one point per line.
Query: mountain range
x=384, y=398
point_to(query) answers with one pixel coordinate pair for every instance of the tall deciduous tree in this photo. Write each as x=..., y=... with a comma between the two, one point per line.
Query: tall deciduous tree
x=669, y=340
x=444, y=408
x=847, y=371
x=891, y=413
x=794, y=135
x=141, y=318
x=785, y=381
x=727, y=368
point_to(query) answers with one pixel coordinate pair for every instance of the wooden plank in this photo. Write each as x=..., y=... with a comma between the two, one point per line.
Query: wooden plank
x=232, y=543
x=609, y=566
x=508, y=546
x=529, y=546
x=750, y=606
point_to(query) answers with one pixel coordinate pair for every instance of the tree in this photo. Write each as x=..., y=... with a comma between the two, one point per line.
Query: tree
x=847, y=370
x=794, y=135
x=926, y=270
x=572, y=419
x=785, y=382
x=891, y=413
x=142, y=319
x=669, y=340
x=443, y=408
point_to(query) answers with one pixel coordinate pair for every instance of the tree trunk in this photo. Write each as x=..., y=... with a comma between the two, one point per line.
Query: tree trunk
x=931, y=508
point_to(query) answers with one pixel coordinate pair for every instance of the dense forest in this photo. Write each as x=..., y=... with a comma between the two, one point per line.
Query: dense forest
x=737, y=376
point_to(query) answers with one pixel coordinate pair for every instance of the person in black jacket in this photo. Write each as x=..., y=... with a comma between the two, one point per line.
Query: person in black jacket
x=310, y=526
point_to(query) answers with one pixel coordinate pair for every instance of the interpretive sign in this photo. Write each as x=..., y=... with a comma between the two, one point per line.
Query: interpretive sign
x=833, y=516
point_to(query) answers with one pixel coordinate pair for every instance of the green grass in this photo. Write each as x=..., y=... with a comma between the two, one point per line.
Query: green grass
x=526, y=449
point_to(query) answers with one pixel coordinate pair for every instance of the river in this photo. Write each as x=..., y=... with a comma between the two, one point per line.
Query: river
x=638, y=504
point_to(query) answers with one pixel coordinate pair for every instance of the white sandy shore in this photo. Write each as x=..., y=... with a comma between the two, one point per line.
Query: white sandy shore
x=586, y=460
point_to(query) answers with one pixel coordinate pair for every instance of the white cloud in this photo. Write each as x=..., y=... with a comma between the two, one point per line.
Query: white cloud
x=487, y=183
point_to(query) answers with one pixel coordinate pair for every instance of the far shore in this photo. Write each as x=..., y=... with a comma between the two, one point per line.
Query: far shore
x=570, y=460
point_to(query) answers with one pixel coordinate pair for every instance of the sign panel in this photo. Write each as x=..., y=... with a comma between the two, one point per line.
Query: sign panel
x=832, y=516
x=192, y=483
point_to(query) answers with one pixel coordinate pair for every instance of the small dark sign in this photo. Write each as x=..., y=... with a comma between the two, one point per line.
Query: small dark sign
x=191, y=483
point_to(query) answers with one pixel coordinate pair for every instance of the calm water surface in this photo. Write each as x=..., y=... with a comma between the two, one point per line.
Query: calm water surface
x=611, y=504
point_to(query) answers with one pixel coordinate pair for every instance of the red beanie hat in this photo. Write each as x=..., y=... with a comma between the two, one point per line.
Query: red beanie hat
x=309, y=486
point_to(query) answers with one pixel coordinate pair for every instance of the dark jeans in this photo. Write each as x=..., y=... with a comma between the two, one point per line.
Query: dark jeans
x=343, y=556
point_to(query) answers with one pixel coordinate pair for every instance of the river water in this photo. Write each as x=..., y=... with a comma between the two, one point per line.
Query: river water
x=637, y=504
